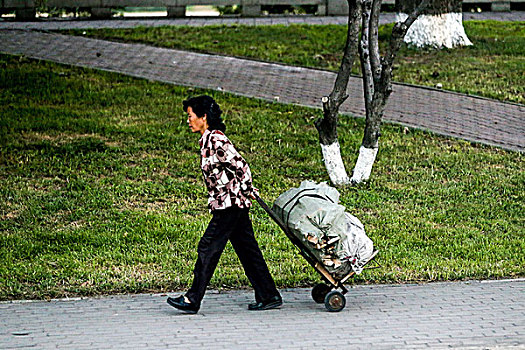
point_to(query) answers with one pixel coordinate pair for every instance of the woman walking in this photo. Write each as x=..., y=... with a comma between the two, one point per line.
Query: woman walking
x=228, y=179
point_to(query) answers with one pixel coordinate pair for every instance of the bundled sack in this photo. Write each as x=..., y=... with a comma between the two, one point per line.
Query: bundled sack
x=336, y=238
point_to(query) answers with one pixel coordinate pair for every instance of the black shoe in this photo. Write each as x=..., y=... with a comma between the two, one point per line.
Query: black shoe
x=271, y=303
x=180, y=304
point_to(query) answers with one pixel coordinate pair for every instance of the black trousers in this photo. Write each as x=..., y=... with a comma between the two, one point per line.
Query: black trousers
x=231, y=224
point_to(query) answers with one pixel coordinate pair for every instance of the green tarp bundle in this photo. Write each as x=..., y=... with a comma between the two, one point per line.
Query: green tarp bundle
x=337, y=239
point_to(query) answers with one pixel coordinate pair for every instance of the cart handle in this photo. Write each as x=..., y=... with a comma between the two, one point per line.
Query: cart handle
x=270, y=212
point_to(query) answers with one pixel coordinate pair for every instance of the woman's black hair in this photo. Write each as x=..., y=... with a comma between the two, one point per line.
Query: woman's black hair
x=206, y=105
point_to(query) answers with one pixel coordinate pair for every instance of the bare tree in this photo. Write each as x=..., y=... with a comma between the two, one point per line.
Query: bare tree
x=440, y=25
x=362, y=37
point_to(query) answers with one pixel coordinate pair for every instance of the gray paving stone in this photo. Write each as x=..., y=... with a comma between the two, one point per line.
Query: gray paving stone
x=407, y=318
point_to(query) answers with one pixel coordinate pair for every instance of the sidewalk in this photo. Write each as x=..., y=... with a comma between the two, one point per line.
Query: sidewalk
x=451, y=114
x=56, y=23
x=464, y=315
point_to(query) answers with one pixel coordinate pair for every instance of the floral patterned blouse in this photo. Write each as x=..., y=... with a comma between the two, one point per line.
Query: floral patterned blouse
x=226, y=173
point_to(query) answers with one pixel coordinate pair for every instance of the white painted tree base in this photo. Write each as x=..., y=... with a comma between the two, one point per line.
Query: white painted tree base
x=334, y=164
x=445, y=30
x=363, y=166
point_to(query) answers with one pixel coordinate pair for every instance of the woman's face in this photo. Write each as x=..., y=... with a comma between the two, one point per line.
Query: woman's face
x=195, y=123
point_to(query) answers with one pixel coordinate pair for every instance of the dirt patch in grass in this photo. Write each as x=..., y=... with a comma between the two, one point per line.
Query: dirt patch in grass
x=65, y=138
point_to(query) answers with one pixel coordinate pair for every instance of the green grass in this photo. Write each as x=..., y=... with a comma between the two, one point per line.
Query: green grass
x=101, y=191
x=493, y=67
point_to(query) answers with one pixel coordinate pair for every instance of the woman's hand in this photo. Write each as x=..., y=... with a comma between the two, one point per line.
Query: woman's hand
x=254, y=193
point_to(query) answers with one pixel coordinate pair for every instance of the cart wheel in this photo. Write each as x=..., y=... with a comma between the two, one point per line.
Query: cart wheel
x=335, y=301
x=319, y=292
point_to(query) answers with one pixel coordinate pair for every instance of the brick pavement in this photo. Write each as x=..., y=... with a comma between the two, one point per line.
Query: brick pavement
x=464, y=315
x=471, y=118
x=469, y=315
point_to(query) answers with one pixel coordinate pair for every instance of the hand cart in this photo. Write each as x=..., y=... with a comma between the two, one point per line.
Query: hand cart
x=327, y=292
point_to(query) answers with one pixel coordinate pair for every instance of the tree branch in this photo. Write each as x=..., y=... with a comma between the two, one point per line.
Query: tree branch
x=398, y=34
x=375, y=58
x=399, y=31
x=364, y=51
x=338, y=94
x=415, y=14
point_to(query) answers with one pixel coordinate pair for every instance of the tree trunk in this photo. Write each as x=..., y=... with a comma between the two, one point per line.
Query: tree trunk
x=441, y=25
x=377, y=79
x=362, y=37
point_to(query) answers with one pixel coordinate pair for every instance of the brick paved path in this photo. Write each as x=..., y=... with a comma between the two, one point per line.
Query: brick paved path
x=473, y=315
x=471, y=118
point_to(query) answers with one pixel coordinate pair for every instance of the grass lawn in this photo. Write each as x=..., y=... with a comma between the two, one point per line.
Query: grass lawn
x=493, y=67
x=101, y=190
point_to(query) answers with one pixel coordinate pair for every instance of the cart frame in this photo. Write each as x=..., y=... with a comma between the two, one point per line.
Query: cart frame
x=334, y=300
